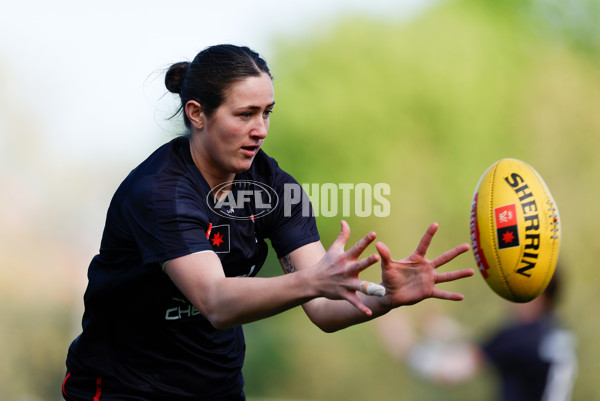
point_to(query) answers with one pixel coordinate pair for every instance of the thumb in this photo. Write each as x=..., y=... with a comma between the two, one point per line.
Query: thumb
x=384, y=252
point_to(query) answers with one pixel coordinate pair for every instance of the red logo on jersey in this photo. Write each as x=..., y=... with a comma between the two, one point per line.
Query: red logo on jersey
x=218, y=236
x=217, y=239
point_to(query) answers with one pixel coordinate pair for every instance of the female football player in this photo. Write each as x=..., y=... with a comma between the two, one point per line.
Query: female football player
x=175, y=278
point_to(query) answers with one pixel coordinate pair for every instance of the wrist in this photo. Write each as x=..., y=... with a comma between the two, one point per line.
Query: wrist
x=387, y=302
x=306, y=283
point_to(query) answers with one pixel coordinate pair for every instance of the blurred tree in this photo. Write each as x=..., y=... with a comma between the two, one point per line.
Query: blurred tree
x=427, y=106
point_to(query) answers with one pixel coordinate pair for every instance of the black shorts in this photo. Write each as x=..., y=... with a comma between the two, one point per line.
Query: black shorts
x=77, y=387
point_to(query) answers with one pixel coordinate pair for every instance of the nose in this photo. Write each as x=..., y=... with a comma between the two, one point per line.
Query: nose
x=260, y=128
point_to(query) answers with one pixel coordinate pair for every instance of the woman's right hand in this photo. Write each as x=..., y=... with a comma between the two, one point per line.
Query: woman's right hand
x=335, y=276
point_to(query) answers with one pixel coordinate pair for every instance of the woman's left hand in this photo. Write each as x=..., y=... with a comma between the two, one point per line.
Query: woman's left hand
x=414, y=278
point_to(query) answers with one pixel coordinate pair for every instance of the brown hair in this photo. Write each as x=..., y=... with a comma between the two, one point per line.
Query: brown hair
x=213, y=71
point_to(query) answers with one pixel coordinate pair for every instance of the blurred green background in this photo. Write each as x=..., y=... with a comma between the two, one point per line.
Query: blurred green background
x=424, y=105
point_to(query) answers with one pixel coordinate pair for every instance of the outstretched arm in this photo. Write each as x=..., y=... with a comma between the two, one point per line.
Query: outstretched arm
x=230, y=301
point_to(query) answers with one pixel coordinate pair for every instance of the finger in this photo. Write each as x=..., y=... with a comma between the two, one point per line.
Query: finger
x=362, y=264
x=361, y=245
x=449, y=296
x=426, y=240
x=342, y=238
x=368, y=288
x=355, y=300
x=449, y=255
x=451, y=276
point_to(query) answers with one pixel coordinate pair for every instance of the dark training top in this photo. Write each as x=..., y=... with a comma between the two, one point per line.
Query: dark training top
x=536, y=360
x=140, y=334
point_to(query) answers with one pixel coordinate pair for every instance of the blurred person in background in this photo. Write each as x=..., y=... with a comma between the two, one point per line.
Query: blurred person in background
x=532, y=353
x=175, y=278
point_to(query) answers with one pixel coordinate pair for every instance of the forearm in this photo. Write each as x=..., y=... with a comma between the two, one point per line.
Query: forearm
x=333, y=315
x=238, y=300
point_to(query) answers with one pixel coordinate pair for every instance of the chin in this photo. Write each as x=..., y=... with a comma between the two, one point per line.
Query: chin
x=243, y=166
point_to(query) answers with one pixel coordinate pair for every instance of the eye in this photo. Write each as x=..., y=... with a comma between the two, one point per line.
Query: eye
x=267, y=113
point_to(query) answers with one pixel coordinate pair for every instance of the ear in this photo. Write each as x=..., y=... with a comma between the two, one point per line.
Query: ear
x=195, y=114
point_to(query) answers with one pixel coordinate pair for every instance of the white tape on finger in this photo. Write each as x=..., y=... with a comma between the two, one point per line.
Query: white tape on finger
x=369, y=288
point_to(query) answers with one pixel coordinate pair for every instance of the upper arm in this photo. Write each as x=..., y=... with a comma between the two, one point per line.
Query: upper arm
x=305, y=256
x=197, y=276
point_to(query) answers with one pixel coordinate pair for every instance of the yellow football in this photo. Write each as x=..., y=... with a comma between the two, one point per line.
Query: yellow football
x=515, y=230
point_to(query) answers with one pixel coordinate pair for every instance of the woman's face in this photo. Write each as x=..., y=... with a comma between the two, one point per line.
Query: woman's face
x=234, y=133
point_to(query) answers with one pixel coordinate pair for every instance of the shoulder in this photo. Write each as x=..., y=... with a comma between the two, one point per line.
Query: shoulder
x=164, y=175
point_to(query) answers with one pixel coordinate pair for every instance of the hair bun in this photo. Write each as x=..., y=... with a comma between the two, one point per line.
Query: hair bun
x=175, y=76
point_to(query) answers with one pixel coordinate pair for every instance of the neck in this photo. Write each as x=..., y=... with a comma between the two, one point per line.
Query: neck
x=209, y=171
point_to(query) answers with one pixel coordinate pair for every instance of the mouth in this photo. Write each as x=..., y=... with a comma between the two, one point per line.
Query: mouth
x=250, y=150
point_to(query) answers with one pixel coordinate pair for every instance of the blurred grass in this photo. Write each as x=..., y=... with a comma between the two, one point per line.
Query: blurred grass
x=425, y=106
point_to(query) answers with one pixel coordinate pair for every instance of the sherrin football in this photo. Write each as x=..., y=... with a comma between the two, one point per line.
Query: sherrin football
x=515, y=230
